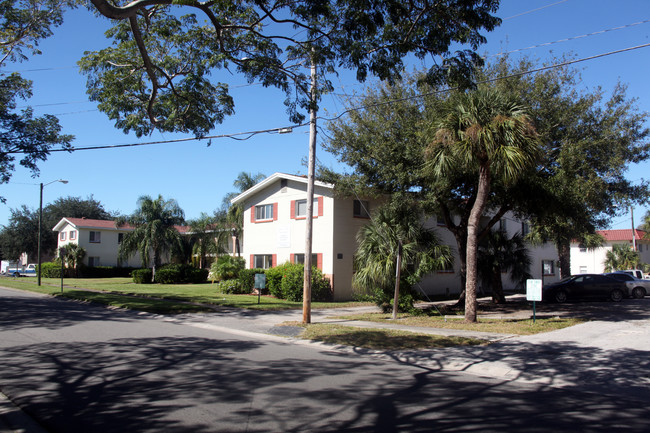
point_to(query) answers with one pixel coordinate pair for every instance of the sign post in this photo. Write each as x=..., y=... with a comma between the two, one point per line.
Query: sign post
x=260, y=284
x=534, y=293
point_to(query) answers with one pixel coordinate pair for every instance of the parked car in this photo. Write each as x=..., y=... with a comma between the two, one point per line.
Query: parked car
x=585, y=286
x=636, y=273
x=636, y=288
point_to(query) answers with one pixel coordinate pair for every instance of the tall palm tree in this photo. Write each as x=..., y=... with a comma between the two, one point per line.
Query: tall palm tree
x=491, y=136
x=499, y=253
x=154, y=230
x=233, y=215
x=379, y=242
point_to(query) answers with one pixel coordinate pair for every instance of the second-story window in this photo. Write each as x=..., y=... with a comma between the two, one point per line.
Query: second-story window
x=301, y=208
x=62, y=236
x=264, y=212
x=95, y=237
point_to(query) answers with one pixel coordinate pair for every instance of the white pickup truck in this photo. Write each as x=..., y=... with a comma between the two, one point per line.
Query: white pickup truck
x=22, y=271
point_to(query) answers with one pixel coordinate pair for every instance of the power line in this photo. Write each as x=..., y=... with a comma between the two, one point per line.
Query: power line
x=250, y=134
x=516, y=74
x=572, y=38
x=534, y=10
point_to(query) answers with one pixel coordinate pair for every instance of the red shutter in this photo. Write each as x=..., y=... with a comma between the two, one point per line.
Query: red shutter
x=293, y=210
x=275, y=211
x=320, y=206
x=291, y=258
x=274, y=260
x=252, y=214
x=319, y=261
x=252, y=261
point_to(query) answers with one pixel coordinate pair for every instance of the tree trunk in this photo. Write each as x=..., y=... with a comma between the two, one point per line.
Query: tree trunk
x=498, y=297
x=473, y=230
x=564, y=254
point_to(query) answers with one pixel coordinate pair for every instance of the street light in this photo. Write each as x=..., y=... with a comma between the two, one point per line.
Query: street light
x=40, y=226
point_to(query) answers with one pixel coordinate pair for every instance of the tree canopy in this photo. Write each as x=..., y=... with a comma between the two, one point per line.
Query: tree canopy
x=587, y=139
x=157, y=72
x=23, y=136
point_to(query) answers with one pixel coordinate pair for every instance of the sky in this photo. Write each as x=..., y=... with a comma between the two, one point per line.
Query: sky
x=198, y=176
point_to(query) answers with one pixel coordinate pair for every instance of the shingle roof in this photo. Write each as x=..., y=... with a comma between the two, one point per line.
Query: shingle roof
x=87, y=223
x=621, y=235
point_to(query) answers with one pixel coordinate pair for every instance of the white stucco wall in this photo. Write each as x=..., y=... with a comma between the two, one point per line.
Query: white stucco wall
x=106, y=249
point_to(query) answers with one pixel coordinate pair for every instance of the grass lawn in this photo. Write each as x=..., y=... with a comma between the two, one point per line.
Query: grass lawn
x=382, y=339
x=146, y=297
x=500, y=326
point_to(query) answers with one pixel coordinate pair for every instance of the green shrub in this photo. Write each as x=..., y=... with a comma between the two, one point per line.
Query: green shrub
x=274, y=279
x=232, y=287
x=227, y=268
x=168, y=275
x=293, y=282
x=102, y=271
x=247, y=278
x=51, y=270
x=384, y=299
x=142, y=276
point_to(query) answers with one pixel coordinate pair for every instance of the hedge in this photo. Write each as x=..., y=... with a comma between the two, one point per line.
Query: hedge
x=286, y=282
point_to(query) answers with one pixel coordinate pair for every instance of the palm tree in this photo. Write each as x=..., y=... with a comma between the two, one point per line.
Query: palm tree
x=72, y=255
x=491, y=136
x=207, y=238
x=621, y=257
x=498, y=254
x=379, y=242
x=233, y=215
x=154, y=230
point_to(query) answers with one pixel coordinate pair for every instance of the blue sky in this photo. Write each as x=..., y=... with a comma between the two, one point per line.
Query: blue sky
x=198, y=176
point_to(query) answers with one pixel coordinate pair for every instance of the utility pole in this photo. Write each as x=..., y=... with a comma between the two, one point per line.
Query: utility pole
x=306, y=292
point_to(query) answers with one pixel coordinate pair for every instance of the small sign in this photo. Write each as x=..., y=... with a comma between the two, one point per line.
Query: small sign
x=260, y=281
x=533, y=290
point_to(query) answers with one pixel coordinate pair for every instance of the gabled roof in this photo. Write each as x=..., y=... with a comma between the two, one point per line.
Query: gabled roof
x=85, y=223
x=273, y=178
x=621, y=235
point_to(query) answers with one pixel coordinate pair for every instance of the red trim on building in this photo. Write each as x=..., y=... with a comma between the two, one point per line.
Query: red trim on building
x=274, y=260
x=319, y=261
x=292, y=215
x=291, y=258
x=275, y=211
x=320, y=206
x=253, y=214
x=252, y=261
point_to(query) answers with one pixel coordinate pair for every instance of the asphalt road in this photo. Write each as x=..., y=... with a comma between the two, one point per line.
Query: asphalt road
x=75, y=367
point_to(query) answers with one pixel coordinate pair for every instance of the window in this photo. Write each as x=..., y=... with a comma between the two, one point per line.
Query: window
x=440, y=220
x=263, y=261
x=93, y=261
x=583, y=270
x=95, y=237
x=582, y=248
x=73, y=235
x=548, y=267
x=300, y=259
x=264, y=212
x=62, y=236
x=299, y=208
x=361, y=209
x=503, y=225
x=525, y=228
x=120, y=238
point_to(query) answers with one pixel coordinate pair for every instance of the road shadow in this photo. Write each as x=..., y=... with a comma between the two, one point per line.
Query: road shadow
x=22, y=312
x=181, y=384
